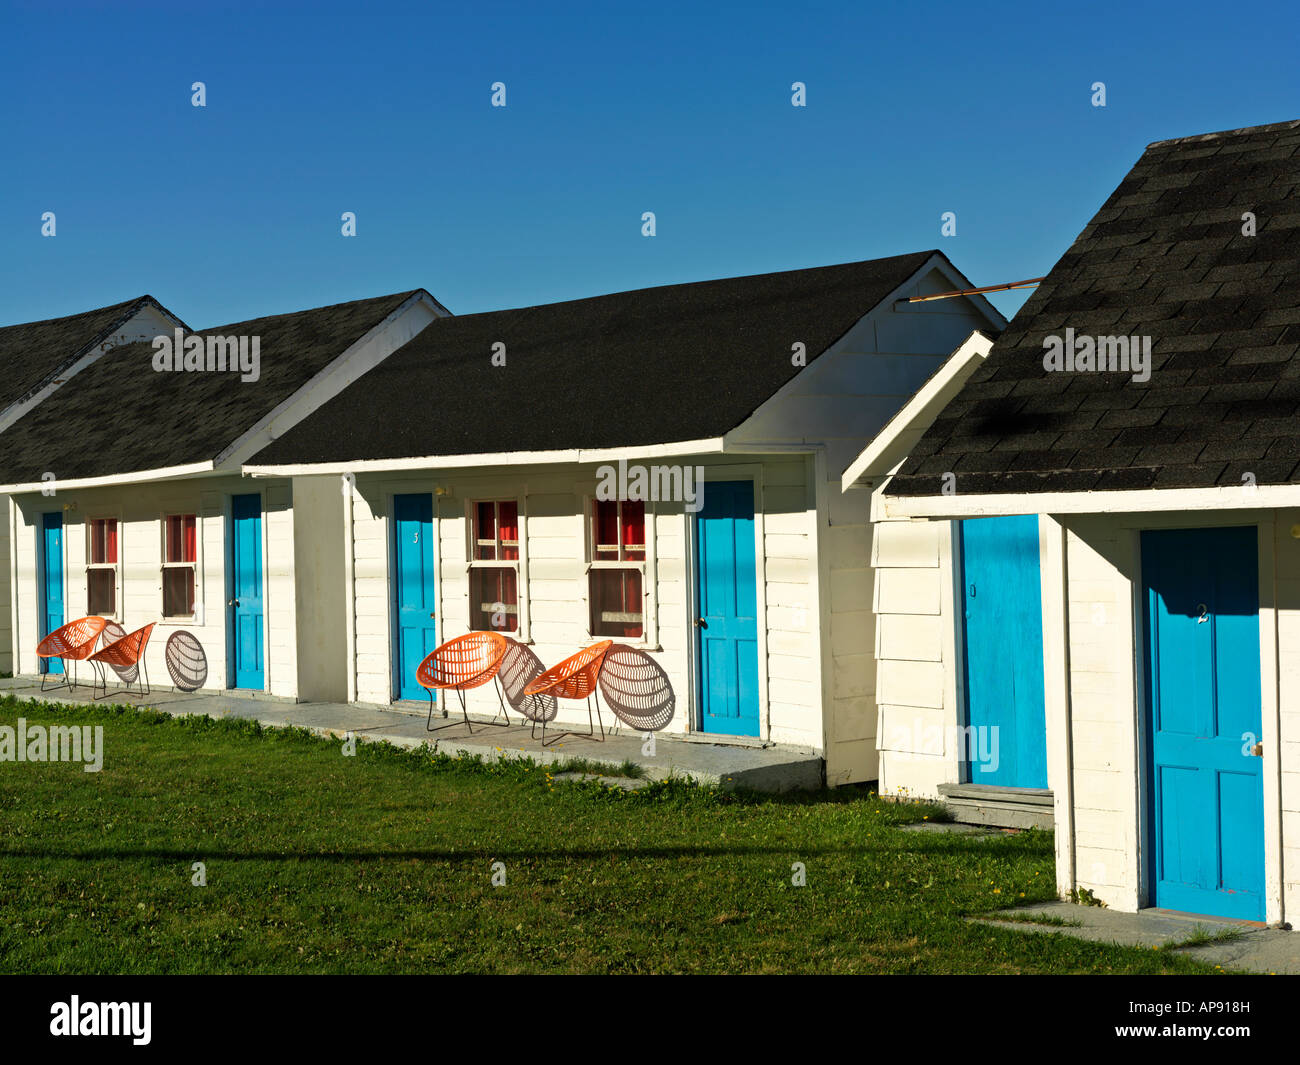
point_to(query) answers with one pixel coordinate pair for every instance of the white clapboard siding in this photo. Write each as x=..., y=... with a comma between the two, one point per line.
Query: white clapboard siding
x=553, y=504
x=916, y=660
x=139, y=509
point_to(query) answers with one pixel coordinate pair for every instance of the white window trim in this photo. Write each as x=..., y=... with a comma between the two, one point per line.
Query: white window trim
x=523, y=634
x=649, y=568
x=116, y=567
x=164, y=565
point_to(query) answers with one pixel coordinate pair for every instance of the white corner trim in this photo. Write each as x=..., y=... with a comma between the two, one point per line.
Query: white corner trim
x=892, y=444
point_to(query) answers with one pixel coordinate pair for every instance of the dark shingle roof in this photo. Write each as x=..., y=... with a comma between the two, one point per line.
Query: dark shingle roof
x=1165, y=257
x=34, y=353
x=121, y=416
x=656, y=365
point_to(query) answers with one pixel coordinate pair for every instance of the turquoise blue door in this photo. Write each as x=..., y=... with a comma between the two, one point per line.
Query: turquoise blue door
x=246, y=620
x=52, y=610
x=727, y=623
x=414, y=604
x=1006, y=738
x=1205, y=791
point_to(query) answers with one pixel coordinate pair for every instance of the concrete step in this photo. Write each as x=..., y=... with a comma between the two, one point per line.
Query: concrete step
x=984, y=804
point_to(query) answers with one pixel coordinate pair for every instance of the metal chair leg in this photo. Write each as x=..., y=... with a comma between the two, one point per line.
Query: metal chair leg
x=590, y=734
x=450, y=724
x=49, y=673
x=501, y=698
x=596, y=696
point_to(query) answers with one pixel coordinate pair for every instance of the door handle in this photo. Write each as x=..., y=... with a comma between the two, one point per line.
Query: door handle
x=701, y=623
x=1258, y=750
x=233, y=602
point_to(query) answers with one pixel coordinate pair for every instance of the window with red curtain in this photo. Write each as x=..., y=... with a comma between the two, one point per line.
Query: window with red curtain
x=180, y=553
x=494, y=565
x=101, y=569
x=617, y=573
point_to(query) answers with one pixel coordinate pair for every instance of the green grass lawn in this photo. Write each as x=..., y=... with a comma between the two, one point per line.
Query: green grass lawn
x=382, y=862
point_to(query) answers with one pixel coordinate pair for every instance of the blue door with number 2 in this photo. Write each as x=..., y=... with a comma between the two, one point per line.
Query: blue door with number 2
x=727, y=600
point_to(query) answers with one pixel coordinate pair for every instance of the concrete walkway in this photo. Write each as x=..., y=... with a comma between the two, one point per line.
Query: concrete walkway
x=1245, y=945
x=770, y=769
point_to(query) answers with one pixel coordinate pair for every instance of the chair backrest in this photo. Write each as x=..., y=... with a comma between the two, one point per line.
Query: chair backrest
x=127, y=650
x=112, y=633
x=76, y=636
x=575, y=677
x=464, y=662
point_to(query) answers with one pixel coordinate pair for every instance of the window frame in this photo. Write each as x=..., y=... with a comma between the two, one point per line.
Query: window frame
x=164, y=565
x=523, y=629
x=648, y=568
x=116, y=566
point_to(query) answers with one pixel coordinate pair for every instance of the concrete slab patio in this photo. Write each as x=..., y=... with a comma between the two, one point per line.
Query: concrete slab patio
x=768, y=769
x=1245, y=945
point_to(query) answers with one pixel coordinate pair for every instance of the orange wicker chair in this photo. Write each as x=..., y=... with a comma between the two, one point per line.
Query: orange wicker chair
x=73, y=642
x=468, y=661
x=122, y=655
x=574, y=678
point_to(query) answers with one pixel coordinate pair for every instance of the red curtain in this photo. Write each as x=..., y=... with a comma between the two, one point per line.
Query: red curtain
x=486, y=526
x=605, y=531
x=508, y=522
x=634, y=531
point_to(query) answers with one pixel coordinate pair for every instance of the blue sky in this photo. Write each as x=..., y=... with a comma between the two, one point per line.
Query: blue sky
x=233, y=210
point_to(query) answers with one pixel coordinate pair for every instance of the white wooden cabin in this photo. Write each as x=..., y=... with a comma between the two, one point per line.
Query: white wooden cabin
x=39, y=358
x=1152, y=521
x=142, y=516
x=374, y=452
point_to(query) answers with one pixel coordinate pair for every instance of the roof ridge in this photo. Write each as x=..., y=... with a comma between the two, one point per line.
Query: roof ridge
x=130, y=310
x=926, y=252
x=1239, y=132
x=405, y=294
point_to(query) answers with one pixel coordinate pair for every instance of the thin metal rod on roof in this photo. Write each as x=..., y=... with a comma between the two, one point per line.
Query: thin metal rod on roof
x=971, y=291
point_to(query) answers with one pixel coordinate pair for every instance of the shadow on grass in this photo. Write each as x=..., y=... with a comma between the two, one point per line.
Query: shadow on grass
x=458, y=854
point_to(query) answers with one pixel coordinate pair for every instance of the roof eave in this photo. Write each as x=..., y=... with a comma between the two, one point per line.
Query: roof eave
x=576, y=456
x=891, y=445
x=1225, y=497
x=167, y=473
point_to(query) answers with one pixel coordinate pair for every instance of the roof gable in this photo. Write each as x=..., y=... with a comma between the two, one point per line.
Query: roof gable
x=121, y=416
x=33, y=354
x=650, y=366
x=1165, y=258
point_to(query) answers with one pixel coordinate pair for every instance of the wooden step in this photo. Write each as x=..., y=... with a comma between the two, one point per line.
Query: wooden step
x=986, y=804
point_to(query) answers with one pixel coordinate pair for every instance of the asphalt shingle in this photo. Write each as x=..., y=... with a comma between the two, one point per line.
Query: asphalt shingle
x=1167, y=252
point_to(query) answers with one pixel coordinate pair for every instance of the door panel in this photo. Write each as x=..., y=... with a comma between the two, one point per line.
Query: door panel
x=414, y=593
x=727, y=601
x=246, y=612
x=1205, y=790
x=53, y=610
x=1003, y=633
